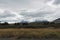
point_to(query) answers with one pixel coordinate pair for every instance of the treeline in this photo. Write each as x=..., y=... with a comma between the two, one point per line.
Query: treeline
x=30, y=25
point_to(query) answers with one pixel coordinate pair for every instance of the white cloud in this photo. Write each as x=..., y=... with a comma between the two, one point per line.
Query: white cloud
x=30, y=10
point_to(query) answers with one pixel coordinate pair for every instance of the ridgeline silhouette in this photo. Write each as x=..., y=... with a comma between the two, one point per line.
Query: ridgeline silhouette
x=36, y=24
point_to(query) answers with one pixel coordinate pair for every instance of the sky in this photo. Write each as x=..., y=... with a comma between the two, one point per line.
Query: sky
x=29, y=10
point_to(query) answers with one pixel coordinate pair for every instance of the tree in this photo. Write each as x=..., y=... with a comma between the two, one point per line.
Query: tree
x=6, y=23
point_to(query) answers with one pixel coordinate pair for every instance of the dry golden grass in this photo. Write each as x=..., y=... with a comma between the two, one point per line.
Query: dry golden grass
x=46, y=32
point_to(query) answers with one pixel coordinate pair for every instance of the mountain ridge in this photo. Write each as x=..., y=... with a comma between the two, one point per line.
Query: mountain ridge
x=57, y=20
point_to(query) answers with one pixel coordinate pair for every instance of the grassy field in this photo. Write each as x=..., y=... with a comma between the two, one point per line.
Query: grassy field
x=30, y=33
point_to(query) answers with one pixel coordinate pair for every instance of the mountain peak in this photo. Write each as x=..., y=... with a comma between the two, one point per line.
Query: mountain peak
x=57, y=20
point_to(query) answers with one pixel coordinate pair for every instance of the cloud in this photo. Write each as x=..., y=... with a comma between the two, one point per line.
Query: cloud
x=22, y=4
x=56, y=2
x=16, y=4
x=35, y=14
x=30, y=10
x=9, y=16
x=6, y=14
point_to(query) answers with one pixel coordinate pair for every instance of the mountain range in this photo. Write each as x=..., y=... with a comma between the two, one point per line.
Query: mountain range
x=57, y=20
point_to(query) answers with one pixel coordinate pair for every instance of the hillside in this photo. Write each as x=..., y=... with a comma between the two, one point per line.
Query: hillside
x=57, y=20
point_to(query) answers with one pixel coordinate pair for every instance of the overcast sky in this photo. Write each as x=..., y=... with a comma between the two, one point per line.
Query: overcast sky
x=29, y=10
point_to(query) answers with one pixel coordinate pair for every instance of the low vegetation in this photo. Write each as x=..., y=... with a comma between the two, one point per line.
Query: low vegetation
x=30, y=33
x=30, y=30
x=30, y=25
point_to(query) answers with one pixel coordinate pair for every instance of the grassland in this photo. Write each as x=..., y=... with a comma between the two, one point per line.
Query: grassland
x=30, y=33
